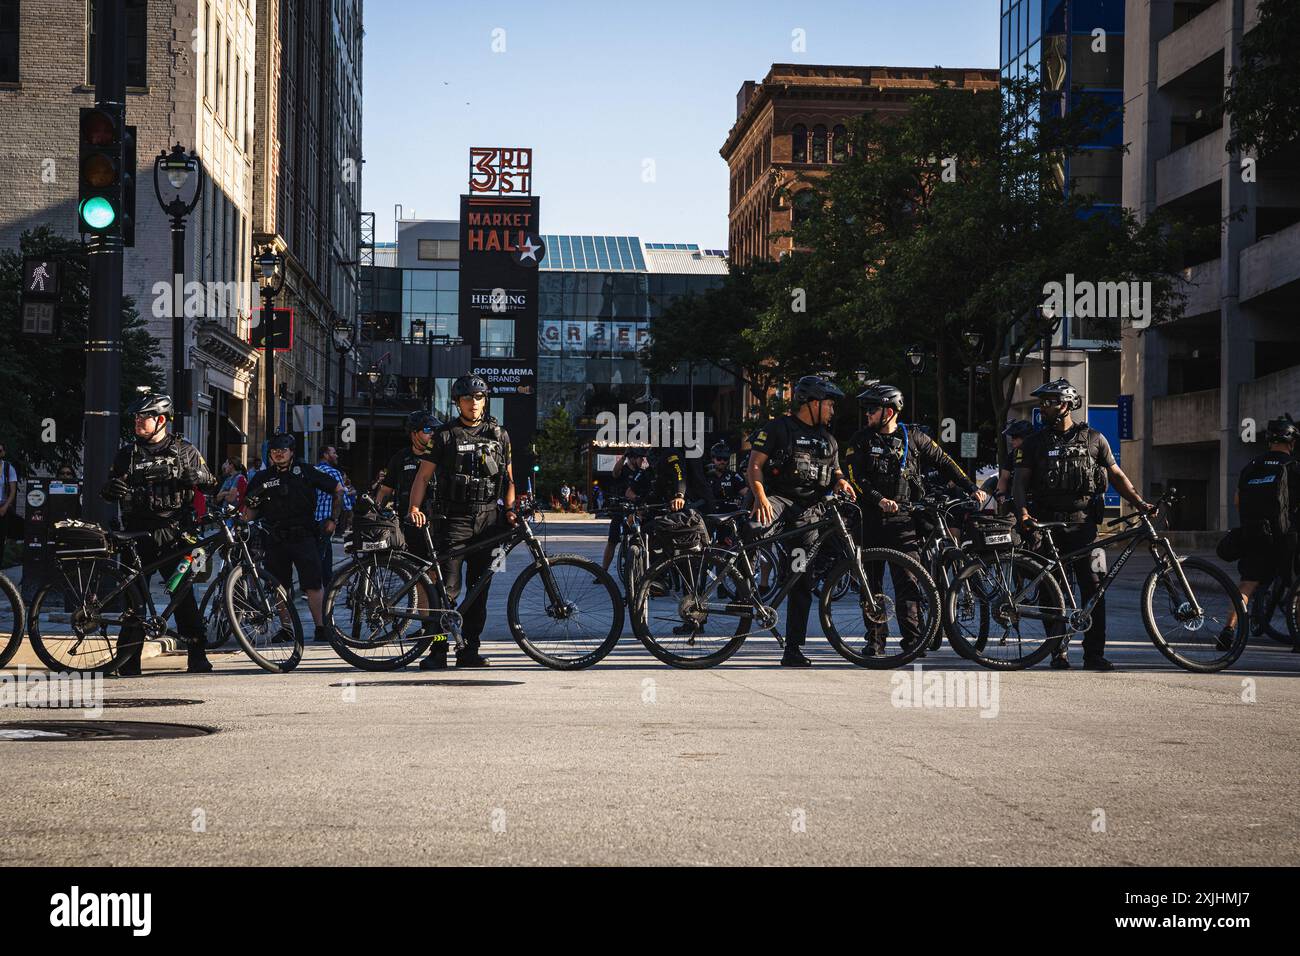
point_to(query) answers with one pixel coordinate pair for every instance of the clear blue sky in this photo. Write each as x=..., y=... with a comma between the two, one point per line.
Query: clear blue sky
x=596, y=88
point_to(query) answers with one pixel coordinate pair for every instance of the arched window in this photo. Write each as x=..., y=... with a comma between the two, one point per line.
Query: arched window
x=839, y=144
x=800, y=205
x=819, y=144
x=799, y=144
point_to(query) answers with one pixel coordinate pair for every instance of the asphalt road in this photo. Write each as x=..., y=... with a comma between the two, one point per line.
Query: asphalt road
x=632, y=762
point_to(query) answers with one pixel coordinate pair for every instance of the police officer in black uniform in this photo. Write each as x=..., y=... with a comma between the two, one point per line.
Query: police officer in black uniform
x=793, y=462
x=154, y=479
x=726, y=486
x=630, y=471
x=884, y=461
x=1017, y=430
x=283, y=496
x=1061, y=473
x=471, y=460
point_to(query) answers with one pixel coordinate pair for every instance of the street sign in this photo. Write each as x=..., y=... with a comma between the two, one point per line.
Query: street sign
x=1126, y=418
x=1036, y=416
x=970, y=444
x=38, y=318
x=308, y=418
x=281, y=329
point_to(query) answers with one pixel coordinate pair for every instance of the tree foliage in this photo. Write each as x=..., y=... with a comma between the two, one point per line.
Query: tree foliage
x=557, y=448
x=1261, y=98
x=46, y=380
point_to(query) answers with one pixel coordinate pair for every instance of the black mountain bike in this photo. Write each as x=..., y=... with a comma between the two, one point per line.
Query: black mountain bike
x=563, y=611
x=695, y=610
x=13, y=617
x=76, y=618
x=1186, y=602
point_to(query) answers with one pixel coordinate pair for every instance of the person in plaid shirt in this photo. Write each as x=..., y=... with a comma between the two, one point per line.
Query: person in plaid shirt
x=329, y=460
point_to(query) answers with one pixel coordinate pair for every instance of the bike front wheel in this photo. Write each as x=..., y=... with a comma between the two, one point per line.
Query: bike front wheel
x=882, y=613
x=1190, y=625
x=566, y=612
x=686, y=611
x=73, y=627
x=263, y=619
x=13, y=620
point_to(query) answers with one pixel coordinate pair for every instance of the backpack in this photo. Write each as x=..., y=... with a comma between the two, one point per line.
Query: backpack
x=678, y=532
x=1265, y=500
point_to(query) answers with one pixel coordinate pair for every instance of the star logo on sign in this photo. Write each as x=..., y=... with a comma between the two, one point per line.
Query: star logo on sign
x=530, y=252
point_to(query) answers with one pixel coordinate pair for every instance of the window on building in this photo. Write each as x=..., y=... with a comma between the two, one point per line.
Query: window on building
x=220, y=75
x=8, y=41
x=248, y=112
x=819, y=144
x=496, y=338
x=225, y=95
x=238, y=84
x=207, y=52
x=799, y=144
x=839, y=144
x=136, y=60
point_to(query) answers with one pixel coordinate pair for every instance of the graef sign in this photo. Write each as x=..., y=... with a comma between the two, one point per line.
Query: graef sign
x=500, y=170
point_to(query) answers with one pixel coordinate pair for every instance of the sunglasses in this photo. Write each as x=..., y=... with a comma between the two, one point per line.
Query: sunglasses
x=1052, y=402
x=477, y=396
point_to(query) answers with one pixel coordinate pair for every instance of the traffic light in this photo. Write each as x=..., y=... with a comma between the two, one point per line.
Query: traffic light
x=128, y=186
x=537, y=467
x=99, y=201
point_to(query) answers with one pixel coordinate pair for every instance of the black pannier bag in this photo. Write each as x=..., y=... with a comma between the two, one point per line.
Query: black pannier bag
x=678, y=532
x=991, y=533
x=376, y=531
x=71, y=539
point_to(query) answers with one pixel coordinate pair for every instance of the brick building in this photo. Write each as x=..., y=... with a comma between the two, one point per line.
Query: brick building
x=795, y=120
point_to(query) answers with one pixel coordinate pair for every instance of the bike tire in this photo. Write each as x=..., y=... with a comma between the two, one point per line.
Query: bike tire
x=278, y=657
x=407, y=648
x=689, y=576
x=101, y=576
x=1263, y=612
x=216, y=626
x=13, y=620
x=848, y=644
x=955, y=562
x=553, y=652
x=1215, y=614
x=997, y=613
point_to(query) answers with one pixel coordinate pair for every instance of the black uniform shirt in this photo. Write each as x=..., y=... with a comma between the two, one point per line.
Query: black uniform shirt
x=154, y=502
x=286, y=498
x=400, y=476
x=786, y=436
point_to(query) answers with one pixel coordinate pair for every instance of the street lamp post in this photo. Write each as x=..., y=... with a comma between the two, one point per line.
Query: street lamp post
x=973, y=342
x=1052, y=321
x=342, y=334
x=916, y=361
x=178, y=166
x=373, y=375
x=271, y=266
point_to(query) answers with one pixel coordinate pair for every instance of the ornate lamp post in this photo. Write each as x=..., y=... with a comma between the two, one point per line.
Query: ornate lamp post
x=270, y=265
x=178, y=167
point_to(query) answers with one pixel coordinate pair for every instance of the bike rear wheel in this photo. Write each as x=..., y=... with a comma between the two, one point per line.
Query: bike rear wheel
x=565, y=614
x=13, y=620
x=1266, y=608
x=263, y=619
x=365, y=604
x=1194, y=641
x=70, y=628
x=680, y=610
x=216, y=626
x=1005, y=611
x=860, y=615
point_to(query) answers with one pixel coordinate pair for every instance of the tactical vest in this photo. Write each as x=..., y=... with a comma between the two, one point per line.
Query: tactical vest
x=805, y=468
x=155, y=480
x=473, y=467
x=287, y=499
x=405, y=480
x=889, y=466
x=1066, y=477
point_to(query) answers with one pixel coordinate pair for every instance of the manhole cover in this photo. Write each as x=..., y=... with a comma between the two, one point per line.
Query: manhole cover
x=55, y=730
x=121, y=702
x=427, y=683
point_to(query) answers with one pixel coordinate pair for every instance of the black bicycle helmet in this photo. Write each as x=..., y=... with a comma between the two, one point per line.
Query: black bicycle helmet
x=1018, y=428
x=1282, y=430
x=1060, y=389
x=812, y=388
x=881, y=395
x=283, y=440
x=151, y=403
x=418, y=421
x=720, y=450
x=468, y=385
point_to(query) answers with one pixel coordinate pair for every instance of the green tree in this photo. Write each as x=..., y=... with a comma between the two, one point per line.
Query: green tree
x=45, y=379
x=557, y=448
x=1261, y=96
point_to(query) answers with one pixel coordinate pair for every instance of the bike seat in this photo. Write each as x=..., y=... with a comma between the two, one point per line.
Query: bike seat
x=129, y=535
x=1049, y=525
x=722, y=518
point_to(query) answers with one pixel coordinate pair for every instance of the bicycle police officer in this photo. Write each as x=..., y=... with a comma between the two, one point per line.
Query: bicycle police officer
x=1015, y=433
x=154, y=479
x=470, y=459
x=726, y=486
x=1061, y=473
x=628, y=469
x=884, y=461
x=283, y=496
x=793, y=461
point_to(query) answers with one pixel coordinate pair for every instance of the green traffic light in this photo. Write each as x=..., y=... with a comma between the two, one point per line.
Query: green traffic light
x=537, y=467
x=98, y=213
